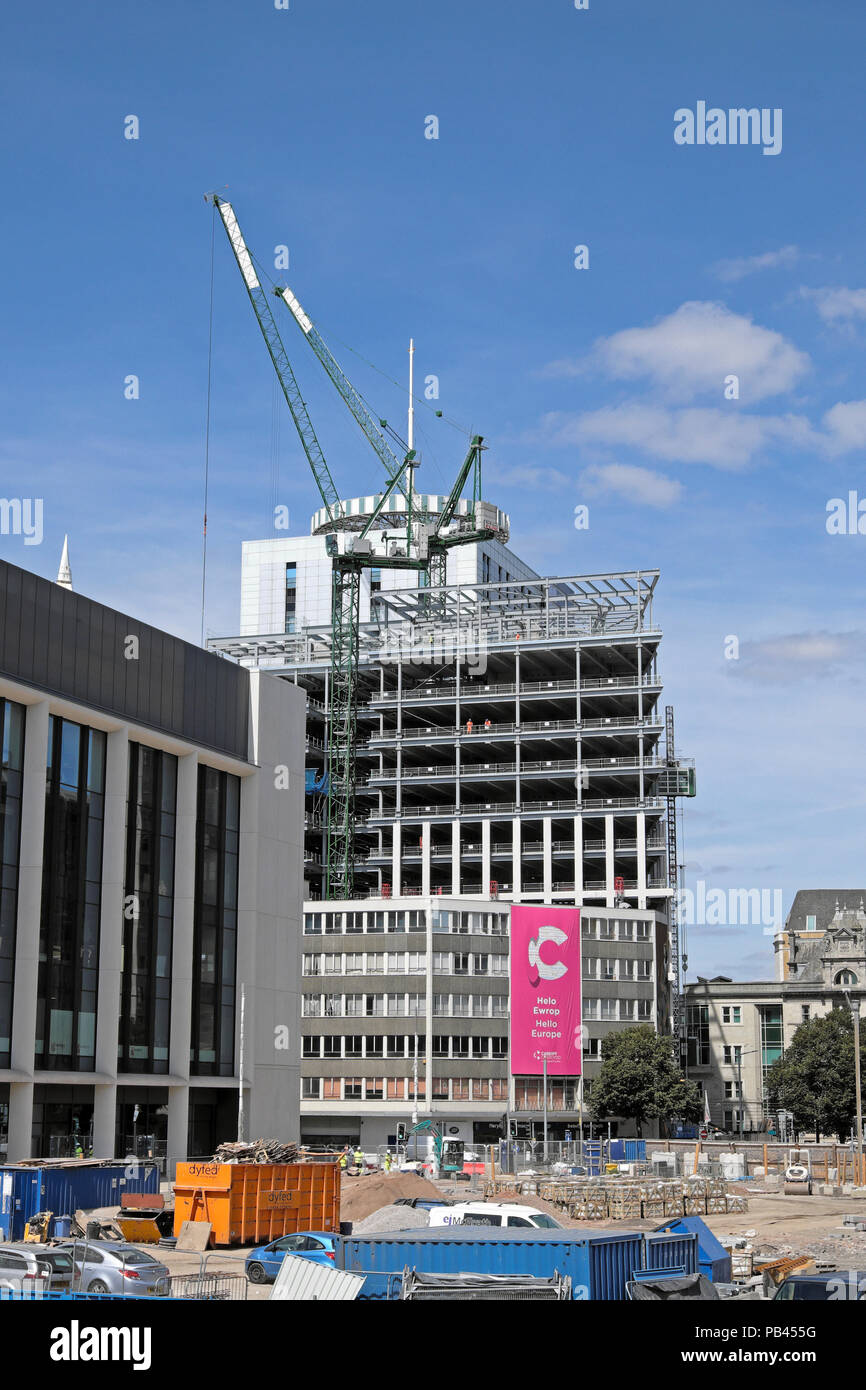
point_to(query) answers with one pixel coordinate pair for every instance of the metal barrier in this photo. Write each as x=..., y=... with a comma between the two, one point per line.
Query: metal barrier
x=215, y=1287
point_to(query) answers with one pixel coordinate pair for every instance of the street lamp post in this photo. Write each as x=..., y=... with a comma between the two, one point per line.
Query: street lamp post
x=854, y=1005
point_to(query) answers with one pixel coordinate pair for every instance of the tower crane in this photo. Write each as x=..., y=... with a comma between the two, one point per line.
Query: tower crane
x=424, y=550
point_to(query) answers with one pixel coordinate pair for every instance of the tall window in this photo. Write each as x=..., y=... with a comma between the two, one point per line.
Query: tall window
x=11, y=773
x=698, y=1018
x=291, y=595
x=71, y=897
x=145, y=981
x=216, y=915
x=772, y=1037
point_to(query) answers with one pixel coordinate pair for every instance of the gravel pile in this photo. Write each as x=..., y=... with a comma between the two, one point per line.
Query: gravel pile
x=392, y=1218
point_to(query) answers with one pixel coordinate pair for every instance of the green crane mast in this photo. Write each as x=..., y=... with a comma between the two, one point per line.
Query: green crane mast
x=425, y=550
x=345, y=586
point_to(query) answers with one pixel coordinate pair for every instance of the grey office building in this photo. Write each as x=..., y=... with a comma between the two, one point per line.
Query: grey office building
x=151, y=826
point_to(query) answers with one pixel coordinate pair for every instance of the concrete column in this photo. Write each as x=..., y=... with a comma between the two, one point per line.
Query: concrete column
x=177, y=1139
x=104, y=1116
x=608, y=860
x=578, y=857
x=455, y=859
x=485, y=857
x=640, y=826
x=395, y=858
x=20, y=1137
x=547, y=856
x=111, y=916
x=516, y=861
x=425, y=858
x=29, y=901
x=183, y=926
x=428, y=1011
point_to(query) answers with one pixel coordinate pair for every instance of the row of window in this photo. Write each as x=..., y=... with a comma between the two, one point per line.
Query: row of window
x=618, y=1009
x=604, y=929
x=405, y=963
x=400, y=1045
x=402, y=1005
x=404, y=920
x=403, y=1088
x=604, y=968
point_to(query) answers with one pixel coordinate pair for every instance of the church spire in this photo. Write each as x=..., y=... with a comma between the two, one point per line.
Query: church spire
x=64, y=574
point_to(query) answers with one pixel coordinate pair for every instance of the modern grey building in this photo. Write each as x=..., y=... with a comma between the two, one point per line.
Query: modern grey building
x=152, y=841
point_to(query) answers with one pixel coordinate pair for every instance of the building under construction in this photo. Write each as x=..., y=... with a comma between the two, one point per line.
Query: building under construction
x=510, y=748
x=475, y=731
x=510, y=730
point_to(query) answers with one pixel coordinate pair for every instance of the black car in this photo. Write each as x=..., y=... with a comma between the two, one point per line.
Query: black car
x=427, y=1203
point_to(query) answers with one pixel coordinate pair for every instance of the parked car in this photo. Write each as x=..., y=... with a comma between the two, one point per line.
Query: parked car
x=115, y=1266
x=34, y=1266
x=845, y=1285
x=493, y=1214
x=263, y=1264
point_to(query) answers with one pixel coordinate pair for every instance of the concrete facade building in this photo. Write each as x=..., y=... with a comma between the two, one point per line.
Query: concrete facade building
x=405, y=1012
x=152, y=808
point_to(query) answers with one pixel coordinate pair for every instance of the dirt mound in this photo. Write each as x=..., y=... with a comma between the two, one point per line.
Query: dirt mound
x=360, y=1197
x=393, y=1219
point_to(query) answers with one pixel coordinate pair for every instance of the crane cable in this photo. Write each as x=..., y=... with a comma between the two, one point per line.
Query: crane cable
x=401, y=386
x=207, y=425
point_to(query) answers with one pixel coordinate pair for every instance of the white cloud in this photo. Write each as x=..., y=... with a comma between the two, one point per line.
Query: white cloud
x=799, y=655
x=639, y=485
x=740, y=266
x=845, y=424
x=721, y=438
x=692, y=350
x=837, y=304
x=728, y=439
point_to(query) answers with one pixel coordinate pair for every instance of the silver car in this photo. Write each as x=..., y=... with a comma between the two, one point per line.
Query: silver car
x=35, y=1268
x=113, y=1266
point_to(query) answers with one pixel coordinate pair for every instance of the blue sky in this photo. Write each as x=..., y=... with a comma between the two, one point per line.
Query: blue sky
x=602, y=387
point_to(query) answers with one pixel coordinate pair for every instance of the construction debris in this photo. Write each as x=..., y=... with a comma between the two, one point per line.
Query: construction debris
x=257, y=1151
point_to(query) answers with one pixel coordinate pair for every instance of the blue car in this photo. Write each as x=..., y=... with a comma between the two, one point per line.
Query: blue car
x=263, y=1264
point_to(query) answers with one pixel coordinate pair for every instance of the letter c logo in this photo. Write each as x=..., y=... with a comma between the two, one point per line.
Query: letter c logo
x=539, y=969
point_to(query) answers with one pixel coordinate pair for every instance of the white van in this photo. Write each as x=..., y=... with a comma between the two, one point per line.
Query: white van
x=492, y=1214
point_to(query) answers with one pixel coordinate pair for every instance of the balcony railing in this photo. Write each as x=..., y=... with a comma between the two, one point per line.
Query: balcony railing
x=470, y=692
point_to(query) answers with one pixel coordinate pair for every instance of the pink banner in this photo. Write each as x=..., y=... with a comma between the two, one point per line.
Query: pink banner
x=545, y=991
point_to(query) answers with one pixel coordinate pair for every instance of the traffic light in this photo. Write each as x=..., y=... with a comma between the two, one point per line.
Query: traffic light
x=402, y=1133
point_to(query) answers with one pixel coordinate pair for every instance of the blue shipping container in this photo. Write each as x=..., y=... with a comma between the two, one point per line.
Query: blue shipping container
x=713, y=1259
x=598, y=1263
x=671, y=1250
x=65, y=1188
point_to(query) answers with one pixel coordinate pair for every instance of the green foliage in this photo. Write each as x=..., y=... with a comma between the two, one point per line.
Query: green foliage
x=815, y=1077
x=640, y=1080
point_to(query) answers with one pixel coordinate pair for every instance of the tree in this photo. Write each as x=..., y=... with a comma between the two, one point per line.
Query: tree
x=640, y=1080
x=815, y=1077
